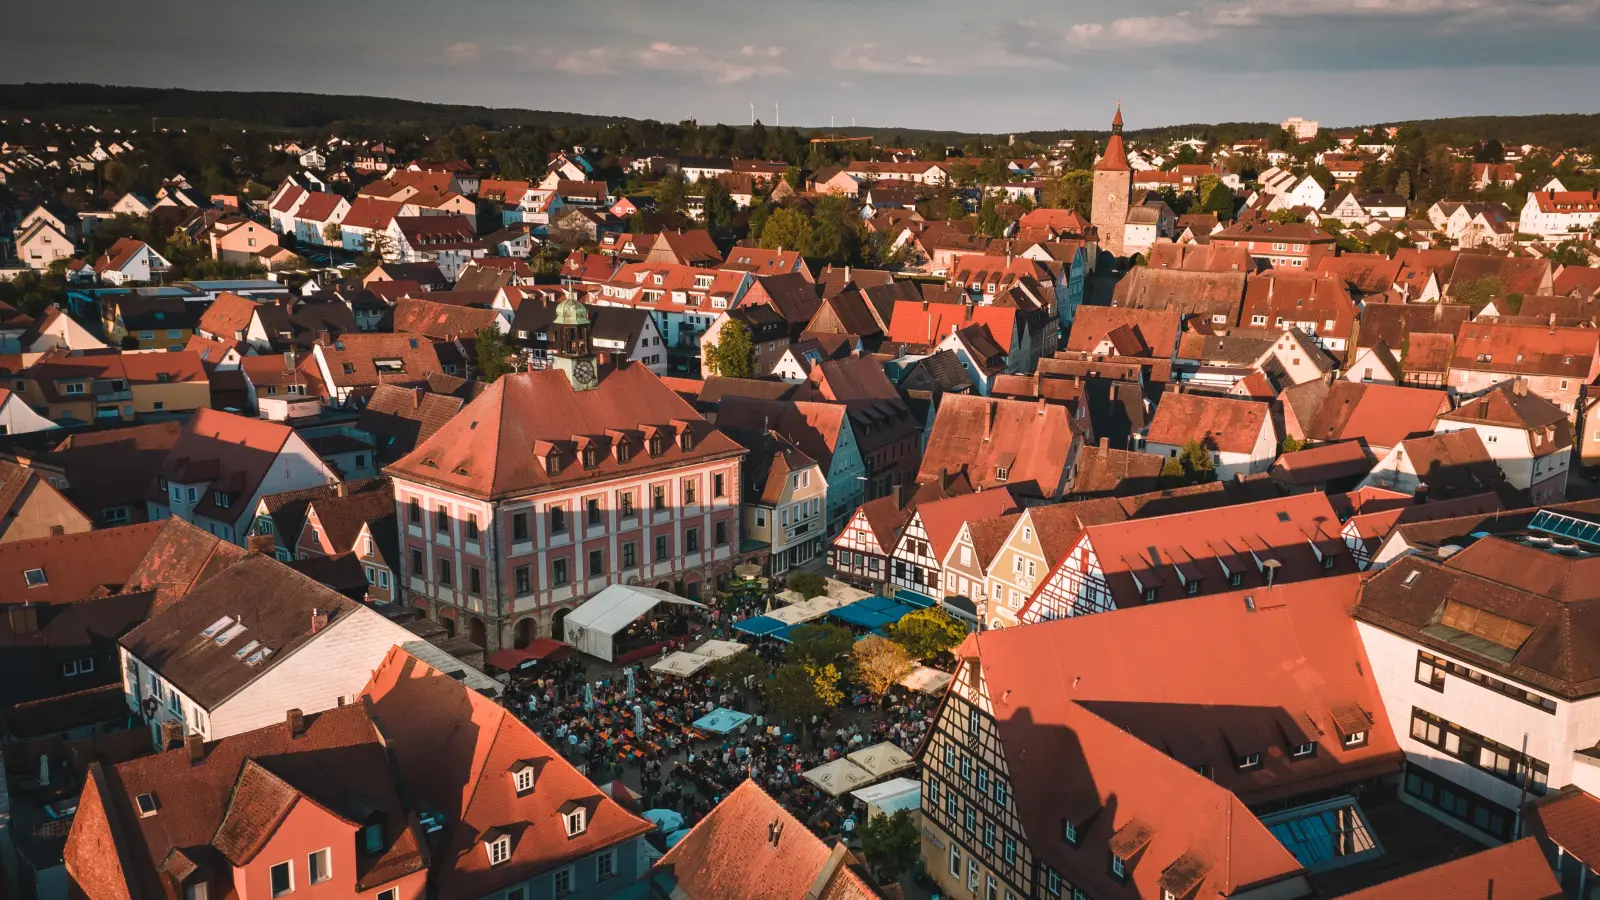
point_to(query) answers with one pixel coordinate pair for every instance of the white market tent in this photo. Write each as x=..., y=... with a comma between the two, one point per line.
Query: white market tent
x=927, y=680
x=881, y=759
x=888, y=797
x=715, y=649
x=602, y=617
x=682, y=664
x=834, y=778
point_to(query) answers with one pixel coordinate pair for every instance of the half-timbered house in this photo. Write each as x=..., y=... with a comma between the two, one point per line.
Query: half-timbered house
x=1036, y=543
x=862, y=549
x=1123, y=564
x=917, y=561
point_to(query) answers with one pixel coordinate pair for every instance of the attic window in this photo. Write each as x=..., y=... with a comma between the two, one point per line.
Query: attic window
x=658, y=446
x=35, y=577
x=1411, y=577
x=220, y=499
x=590, y=458
x=349, y=368
x=686, y=440
x=522, y=777
x=1248, y=762
x=1001, y=473
x=499, y=849
x=147, y=805
x=575, y=821
x=1354, y=739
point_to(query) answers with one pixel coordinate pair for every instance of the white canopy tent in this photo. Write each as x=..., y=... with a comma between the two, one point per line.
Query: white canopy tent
x=834, y=778
x=715, y=649
x=682, y=664
x=890, y=796
x=881, y=759
x=927, y=680
x=602, y=617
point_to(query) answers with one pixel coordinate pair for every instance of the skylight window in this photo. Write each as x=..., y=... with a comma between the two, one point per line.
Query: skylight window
x=147, y=805
x=246, y=650
x=233, y=631
x=218, y=626
x=35, y=577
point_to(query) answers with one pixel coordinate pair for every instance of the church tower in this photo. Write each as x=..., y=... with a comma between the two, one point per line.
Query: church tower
x=569, y=347
x=1113, y=182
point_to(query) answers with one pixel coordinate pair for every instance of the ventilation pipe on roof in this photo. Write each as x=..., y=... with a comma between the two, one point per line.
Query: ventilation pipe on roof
x=297, y=723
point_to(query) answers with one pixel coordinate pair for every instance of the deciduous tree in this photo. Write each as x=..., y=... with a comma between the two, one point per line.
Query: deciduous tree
x=879, y=663
x=891, y=844
x=927, y=632
x=495, y=355
x=734, y=353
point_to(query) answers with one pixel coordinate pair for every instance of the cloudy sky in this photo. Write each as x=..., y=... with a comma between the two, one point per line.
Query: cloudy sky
x=994, y=65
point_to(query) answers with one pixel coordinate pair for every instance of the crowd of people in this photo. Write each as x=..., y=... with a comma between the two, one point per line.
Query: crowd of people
x=632, y=721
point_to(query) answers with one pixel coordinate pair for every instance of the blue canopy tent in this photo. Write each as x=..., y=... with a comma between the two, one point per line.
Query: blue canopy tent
x=786, y=633
x=759, y=626
x=920, y=601
x=872, y=612
x=721, y=720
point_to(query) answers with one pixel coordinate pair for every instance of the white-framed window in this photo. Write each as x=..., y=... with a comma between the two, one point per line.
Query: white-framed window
x=282, y=879
x=575, y=822
x=1304, y=750
x=955, y=861
x=1118, y=867
x=319, y=866
x=1355, y=739
x=499, y=849
x=563, y=881
x=390, y=894
x=605, y=865
x=35, y=577
x=524, y=779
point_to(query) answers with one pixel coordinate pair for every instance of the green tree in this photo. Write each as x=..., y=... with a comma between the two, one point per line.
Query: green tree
x=820, y=642
x=927, y=632
x=734, y=353
x=1171, y=472
x=758, y=220
x=786, y=228
x=1197, y=463
x=1285, y=216
x=1074, y=191
x=1569, y=253
x=719, y=207
x=670, y=193
x=990, y=222
x=332, y=234
x=879, y=663
x=808, y=584
x=495, y=354
x=1290, y=445
x=1478, y=292
x=891, y=844
x=800, y=690
x=740, y=668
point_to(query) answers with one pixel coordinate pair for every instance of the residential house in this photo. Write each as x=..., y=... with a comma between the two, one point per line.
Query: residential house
x=1317, y=304
x=17, y=418
x=822, y=431
x=785, y=493
x=862, y=549
x=153, y=322
x=1028, y=448
x=449, y=241
x=1117, y=565
x=886, y=431
x=1278, y=245
x=1446, y=465
x=1475, y=652
x=222, y=464
x=108, y=471
x=1555, y=361
x=760, y=262
x=916, y=563
x=354, y=364
x=1105, y=331
x=1378, y=415
x=966, y=564
x=41, y=243
x=400, y=418
x=627, y=482
x=1527, y=436
x=1200, y=294
x=1559, y=215
x=310, y=802
x=1238, y=434
x=130, y=260
x=357, y=521
x=506, y=814
x=107, y=385
x=1031, y=550
x=32, y=506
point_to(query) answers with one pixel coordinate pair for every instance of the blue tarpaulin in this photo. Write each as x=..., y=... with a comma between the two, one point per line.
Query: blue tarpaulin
x=872, y=612
x=921, y=601
x=721, y=720
x=786, y=633
x=759, y=626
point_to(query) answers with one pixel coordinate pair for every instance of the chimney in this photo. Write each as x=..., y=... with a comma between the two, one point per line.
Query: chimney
x=988, y=422
x=57, y=530
x=343, y=489
x=196, y=745
x=297, y=723
x=1520, y=387
x=264, y=544
x=1105, y=443
x=319, y=620
x=171, y=734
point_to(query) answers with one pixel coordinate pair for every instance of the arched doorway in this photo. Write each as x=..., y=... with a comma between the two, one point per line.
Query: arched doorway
x=692, y=589
x=558, y=624
x=477, y=633
x=663, y=585
x=449, y=624
x=524, y=633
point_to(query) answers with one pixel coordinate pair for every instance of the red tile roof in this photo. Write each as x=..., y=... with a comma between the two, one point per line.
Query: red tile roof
x=942, y=519
x=441, y=321
x=750, y=848
x=456, y=749
x=1156, y=330
x=926, y=324
x=112, y=468
x=1033, y=442
x=1382, y=415
x=500, y=443
x=1570, y=819
x=118, y=255
x=217, y=810
x=76, y=566
x=228, y=316
x=222, y=452
x=1526, y=349
x=371, y=213
x=1223, y=424
x=319, y=207
x=361, y=352
x=1515, y=871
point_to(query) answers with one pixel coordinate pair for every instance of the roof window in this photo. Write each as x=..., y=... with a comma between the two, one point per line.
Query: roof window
x=35, y=577
x=147, y=805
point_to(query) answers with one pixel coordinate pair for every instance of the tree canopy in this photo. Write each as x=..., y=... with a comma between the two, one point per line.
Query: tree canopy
x=927, y=632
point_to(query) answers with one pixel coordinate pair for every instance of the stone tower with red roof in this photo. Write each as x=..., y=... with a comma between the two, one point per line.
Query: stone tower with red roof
x=1113, y=182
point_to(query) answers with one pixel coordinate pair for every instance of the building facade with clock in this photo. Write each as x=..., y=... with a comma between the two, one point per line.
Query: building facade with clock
x=554, y=484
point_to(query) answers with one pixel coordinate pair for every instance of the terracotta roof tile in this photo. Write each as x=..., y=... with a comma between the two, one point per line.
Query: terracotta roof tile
x=1226, y=424
x=1515, y=871
x=1382, y=415
x=1033, y=442
x=76, y=566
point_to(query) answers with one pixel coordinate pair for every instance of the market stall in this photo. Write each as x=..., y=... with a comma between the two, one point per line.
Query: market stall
x=595, y=626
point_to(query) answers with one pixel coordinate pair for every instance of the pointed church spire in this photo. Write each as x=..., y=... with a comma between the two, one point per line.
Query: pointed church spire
x=1115, y=158
x=1116, y=121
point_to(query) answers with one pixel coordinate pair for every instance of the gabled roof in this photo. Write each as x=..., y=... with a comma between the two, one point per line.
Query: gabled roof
x=400, y=418
x=1526, y=349
x=1026, y=446
x=1223, y=424
x=228, y=316
x=272, y=601
x=465, y=774
x=942, y=519
x=223, y=452
x=119, y=255
x=1059, y=525
x=221, y=810
x=1382, y=415
x=750, y=848
x=353, y=359
x=1110, y=472
x=113, y=467
x=75, y=566
x=926, y=324
x=1514, y=871
x=1206, y=294
x=371, y=213
x=181, y=557
x=1132, y=332
x=1511, y=405
x=441, y=321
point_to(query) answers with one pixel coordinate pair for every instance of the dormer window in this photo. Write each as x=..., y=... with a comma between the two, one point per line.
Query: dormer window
x=1150, y=595
x=372, y=838
x=522, y=776
x=498, y=846
x=1302, y=751
x=590, y=458
x=1119, y=868
x=623, y=452
x=575, y=821
x=1069, y=832
x=685, y=440
x=1248, y=762
x=1354, y=739
x=220, y=499
x=1001, y=473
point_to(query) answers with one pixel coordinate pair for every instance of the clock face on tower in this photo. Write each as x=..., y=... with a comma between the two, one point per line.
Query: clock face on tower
x=584, y=370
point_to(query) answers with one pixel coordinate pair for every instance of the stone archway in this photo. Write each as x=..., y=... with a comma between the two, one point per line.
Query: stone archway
x=477, y=632
x=558, y=624
x=527, y=628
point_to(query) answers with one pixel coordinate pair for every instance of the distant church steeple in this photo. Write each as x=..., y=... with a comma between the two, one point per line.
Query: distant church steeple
x=1113, y=187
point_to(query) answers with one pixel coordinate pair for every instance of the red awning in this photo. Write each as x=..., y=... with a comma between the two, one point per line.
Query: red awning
x=540, y=648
